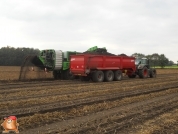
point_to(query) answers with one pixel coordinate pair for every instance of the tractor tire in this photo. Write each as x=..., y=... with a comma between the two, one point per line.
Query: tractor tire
x=152, y=73
x=108, y=75
x=67, y=75
x=118, y=75
x=98, y=76
x=132, y=76
x=56, y=75
x=143, y=73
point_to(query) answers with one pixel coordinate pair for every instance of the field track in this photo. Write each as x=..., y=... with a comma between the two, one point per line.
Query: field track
x=127, y=106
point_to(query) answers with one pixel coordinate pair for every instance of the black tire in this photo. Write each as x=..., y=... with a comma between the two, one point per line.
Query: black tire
x=56, y=75
x=84, y=78
x=152, y=73
x=108, y=75
x=67, y=75
x=132, y=76
x=98, y=76
x=143, y=73
x=118, y=75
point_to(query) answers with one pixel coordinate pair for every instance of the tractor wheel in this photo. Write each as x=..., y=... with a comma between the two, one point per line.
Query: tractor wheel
x=68, y=75
x=98, y=76
x=118, y=75
x=143, y=73
x=152, y=73
x=132, y=76
x=108, y=75
x=56, y=75
x=84, y=78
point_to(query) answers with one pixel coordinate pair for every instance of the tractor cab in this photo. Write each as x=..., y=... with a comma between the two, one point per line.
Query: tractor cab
x=142, y=62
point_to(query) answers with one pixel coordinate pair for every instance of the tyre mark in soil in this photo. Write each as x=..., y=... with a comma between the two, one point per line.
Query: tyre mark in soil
x=80, y=121
x=69, y=92
x=168, y=129
x=11, y=87
x=72, y=84
x=62, y=82
x=117, y=123
x=138, y=118
x=77, y=102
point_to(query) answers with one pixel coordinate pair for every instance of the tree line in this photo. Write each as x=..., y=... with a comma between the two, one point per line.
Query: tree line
x=156, y=59
x=10, y=56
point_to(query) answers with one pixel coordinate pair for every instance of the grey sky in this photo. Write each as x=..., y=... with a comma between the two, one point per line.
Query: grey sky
x=122, y=26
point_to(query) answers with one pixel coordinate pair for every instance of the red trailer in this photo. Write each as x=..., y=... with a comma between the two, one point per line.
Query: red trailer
x=101, y=67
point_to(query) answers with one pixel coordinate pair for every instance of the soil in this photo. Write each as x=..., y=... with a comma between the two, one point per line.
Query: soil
x=148, y=106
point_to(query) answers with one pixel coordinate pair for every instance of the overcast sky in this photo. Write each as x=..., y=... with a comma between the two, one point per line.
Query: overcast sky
x=122, y=26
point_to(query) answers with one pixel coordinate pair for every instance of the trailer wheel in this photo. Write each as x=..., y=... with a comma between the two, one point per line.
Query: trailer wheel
x=152, y=73
x=118, y=75
x=108, y=75
x=98, y=76
x=68, y=75
x=143, y=73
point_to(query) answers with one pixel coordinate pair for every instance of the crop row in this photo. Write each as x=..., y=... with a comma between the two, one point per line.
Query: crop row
x=89, y=115
x=57, y=88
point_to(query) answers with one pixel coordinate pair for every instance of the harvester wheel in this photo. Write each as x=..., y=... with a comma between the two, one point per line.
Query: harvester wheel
x=152, y=73
x=108, y=75
x=118, y=75
x=143, y=73
x=98, y=76
x=68, y=75
x=56, y=75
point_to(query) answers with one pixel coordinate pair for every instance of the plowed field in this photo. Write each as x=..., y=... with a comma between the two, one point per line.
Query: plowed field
x=130, y=106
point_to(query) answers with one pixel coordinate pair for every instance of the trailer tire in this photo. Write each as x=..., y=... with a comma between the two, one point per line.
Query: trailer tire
x=68, y=75
x=143, y=73
x=98, y=76
x=152, y=73
x=118, y=75
x=108, y=75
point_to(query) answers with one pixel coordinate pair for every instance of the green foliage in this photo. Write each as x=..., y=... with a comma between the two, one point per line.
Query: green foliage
x=138, y=55
x=163, y=61
x=156, y=59
x=10, y=56
x=169, y=67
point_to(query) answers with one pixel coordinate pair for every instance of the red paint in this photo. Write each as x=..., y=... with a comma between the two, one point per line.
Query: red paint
x=82, y=62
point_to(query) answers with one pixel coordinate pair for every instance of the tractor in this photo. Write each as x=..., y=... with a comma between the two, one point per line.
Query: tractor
x=143, y=69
